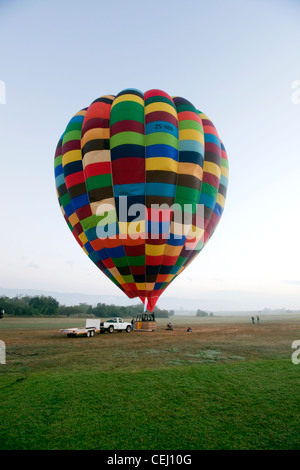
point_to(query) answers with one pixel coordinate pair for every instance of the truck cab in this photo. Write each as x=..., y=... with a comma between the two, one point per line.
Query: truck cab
x=115, y=324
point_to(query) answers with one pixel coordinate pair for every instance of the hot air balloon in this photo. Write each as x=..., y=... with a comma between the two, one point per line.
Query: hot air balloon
x=131, y=173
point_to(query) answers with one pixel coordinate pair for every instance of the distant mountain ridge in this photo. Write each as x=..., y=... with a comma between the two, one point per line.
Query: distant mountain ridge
x=75, y=298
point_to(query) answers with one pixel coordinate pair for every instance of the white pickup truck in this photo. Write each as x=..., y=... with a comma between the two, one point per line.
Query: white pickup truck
x=91, y=327
x=115, y=324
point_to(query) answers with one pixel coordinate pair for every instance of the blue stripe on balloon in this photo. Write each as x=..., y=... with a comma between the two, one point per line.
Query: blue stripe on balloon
x=208, y=201
x=213, y=139
x=78, y=118
x=80, y=201
x=69, y=210
x=161, y=126
x=160, y=189
x=160, y=150
x=89, y=248
x=59, y=180
x=176, y=240
x=72, y=167
x=58, y=170
x=218, y=209
x=136, y=189
x=116, y=252
x=127, y=150
x=175, y=269
x=224, y=180
x=191, y=146
x=158, y=285
x=187, y=156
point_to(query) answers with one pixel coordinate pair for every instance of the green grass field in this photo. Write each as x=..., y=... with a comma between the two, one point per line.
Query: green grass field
x=226, y=385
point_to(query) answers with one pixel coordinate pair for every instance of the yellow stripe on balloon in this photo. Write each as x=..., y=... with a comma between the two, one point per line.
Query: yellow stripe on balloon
x=141, y=285
x=71, y=156
x=212, y=168
x=96, y=156
x=190, y=169
x=82, y=237
x=93, y=134
x=221, y=200
x=191, y=134
x=128, y=97
x=171, y=250
x=155, y=250
x=73, y=219
x=159, y=106
x=119, y=279
x=162, y=164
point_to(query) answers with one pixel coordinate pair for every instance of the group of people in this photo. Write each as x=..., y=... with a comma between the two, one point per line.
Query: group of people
x=170, y=326
x=253, y=319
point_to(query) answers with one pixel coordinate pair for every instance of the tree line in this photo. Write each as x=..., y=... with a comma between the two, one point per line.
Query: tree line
x=36, y=306
x=203, y=313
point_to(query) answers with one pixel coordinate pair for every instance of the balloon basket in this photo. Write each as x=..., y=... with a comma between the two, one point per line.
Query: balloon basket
x=145, y=325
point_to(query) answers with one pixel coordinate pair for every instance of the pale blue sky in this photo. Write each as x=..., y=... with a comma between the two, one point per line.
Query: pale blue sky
x=234, y=60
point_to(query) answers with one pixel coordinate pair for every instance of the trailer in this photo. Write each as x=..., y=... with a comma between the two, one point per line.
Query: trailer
x=91, y=328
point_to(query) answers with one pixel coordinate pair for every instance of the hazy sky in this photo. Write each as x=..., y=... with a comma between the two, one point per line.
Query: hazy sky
x=237, y=61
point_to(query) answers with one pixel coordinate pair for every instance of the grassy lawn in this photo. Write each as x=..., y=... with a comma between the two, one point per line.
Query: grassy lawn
x=226, y=385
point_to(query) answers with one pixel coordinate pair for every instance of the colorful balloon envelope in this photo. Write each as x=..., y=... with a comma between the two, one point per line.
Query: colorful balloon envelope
x=141, y=180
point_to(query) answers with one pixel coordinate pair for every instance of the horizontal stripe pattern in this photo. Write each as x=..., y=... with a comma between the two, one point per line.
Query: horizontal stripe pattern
x=130, y=172
x=67, y=207
x=98, y=176
x=161, y=131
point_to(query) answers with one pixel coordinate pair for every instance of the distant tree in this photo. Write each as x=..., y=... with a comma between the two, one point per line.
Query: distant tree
x=83, y=307
x=48, y=306
x=107, y=311
x=44, y=305
x=5, y=304
x=67, y=310
x=201, y=313
x=161, y=313
x=30, y=306
x=16, y=306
